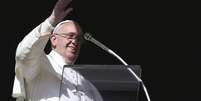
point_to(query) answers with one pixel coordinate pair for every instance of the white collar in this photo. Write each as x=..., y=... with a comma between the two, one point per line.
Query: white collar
x=58, y=58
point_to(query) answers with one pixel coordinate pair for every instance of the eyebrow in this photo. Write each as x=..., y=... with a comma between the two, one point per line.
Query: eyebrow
x=71, y=33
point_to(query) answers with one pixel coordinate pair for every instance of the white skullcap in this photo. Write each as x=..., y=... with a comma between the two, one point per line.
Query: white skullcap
x=59, y=25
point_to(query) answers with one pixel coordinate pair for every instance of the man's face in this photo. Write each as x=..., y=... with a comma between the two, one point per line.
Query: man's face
x=66, y=41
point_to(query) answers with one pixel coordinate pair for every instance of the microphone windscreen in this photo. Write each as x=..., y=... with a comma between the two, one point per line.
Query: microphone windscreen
x=87, y=36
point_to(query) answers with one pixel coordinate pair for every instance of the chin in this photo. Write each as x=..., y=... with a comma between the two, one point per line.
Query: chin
x=70, y=62
x=71, y=57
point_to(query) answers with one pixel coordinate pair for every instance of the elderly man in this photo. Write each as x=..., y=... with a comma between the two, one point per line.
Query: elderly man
x=38, y=76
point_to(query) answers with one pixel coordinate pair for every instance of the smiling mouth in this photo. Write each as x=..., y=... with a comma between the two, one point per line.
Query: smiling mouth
x=72, y=48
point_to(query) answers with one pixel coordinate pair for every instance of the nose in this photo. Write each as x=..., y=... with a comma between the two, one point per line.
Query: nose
x=74, y=42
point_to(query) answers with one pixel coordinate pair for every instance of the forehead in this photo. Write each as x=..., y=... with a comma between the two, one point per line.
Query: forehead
x=68, y=27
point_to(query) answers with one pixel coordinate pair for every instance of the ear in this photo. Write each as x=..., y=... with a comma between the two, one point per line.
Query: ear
x=53, y=40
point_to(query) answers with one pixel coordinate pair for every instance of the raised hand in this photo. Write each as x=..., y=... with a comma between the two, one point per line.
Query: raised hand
x=61, y=9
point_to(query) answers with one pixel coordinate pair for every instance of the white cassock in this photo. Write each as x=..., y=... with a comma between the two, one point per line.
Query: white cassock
x=38, y=76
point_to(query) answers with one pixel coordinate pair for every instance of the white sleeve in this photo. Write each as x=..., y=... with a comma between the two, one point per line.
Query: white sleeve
x=31, y=47
x=28, y=53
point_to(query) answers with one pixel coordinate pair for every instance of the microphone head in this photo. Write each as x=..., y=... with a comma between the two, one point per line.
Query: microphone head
x=87, y=36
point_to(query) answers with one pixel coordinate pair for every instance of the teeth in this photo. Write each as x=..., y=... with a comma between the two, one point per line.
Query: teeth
x=72, y=48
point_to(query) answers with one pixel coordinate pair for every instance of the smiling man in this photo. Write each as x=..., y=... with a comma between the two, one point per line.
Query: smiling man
x=66, y=40
x=38, y=76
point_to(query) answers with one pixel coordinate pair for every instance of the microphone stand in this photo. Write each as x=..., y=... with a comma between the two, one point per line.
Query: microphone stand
x=132, y=72
x=88, y=37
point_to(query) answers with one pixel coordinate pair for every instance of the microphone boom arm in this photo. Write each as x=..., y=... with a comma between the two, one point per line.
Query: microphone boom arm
x=88, y=37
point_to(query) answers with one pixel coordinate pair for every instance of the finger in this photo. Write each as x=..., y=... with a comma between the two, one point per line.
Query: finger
x=68, y=11
x=65, y=3
x=62, y=4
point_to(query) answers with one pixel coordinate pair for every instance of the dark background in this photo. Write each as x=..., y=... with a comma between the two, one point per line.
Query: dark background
x=159, y=36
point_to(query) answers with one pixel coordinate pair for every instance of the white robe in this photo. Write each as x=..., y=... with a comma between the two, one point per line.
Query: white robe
x=38, y=76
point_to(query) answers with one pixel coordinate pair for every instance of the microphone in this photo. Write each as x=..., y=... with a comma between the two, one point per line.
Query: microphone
x=87, y=36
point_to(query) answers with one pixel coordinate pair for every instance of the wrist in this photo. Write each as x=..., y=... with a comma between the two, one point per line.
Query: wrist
x=53, y=20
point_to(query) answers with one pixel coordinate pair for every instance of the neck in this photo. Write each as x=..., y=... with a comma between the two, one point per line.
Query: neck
x=66, y=59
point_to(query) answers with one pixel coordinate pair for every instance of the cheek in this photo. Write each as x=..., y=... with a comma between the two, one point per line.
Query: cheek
x=63, y=43
x=66, y=43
